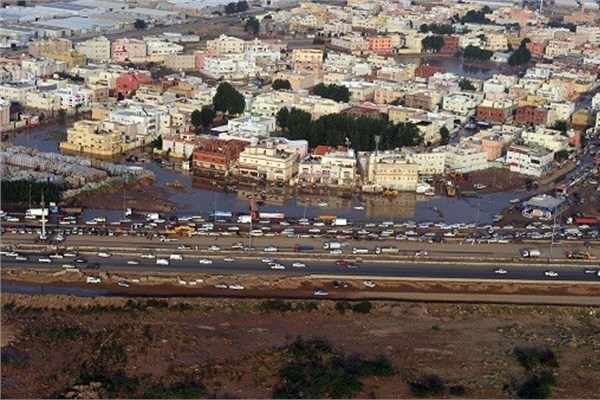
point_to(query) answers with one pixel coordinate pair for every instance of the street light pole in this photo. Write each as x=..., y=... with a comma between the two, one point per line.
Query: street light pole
x=552, y=238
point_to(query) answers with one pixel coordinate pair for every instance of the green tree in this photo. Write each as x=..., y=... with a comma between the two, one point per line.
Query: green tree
x=62, y=114
x=241, y=6
x=561, y=125
x=339, y=93
x=252, y=25
x=157, y=143
x=444, y=135
x=424, y=28
x=282, y=117
x=429, y=386
x=466, y=84
x=475, y=17
x=140, y=24
x=231, y=8
x=229, y=100
x=281, y=84
x=432, y=43
x=477, y=53
x=196, y=119
x=207, y=115
x=21, y=3
x=521, y=55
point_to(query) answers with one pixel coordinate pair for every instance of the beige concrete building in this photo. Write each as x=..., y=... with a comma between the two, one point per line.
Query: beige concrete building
x=392, y=170
x=264, y=161
x=181, y=62
x=226, y=44
x=95, y=49
x=307, y=60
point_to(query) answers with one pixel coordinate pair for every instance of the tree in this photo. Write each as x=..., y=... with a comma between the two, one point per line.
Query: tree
x=230, y=8
x=282, y=117
x=424, y=28
x=281, y=84
x=339, y=93
x=241, y=6
x=520, y=56
x=466, y=84
x=477, y=53
x=229, y=100
x=206, y=117
x=140, y=24
x=62, y=114
x=318, y=41
x=475, y=17
x=196, y=118
x=445, y=135
x=561, y=125
x=433, y=43
x=157, y=143
x=252, y=25
x=21, y=3
x=561, y=155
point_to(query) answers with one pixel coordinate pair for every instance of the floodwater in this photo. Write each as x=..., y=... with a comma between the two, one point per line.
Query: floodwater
x=198, y=197
x=29, y=289
x=450, y=64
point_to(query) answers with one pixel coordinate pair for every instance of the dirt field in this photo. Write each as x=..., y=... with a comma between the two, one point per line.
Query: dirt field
x=235, y=348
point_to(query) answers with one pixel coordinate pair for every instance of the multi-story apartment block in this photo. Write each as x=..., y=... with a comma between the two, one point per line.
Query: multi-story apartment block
x=330, y=167
x=493, y=141
x=428, y=161
x=352, y=44
x=158, y=49
x=43, y=68
x=529, y=160
x=124, y=49
x=100, y=138
x=95, y=49
x=423, y=99
x=265, y=161
x=531, y=115
x=249, y=128
x=147, y=120
x=498, y=111
x=307, y=60
x=226, y=44
x=462, y=103
x=74, y=96
x=549, y=139
x=392, y=170
x=216, y=155
x=465, y=158
x=380, y=44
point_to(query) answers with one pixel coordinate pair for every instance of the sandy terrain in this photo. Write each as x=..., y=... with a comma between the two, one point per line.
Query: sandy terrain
x=235, y=348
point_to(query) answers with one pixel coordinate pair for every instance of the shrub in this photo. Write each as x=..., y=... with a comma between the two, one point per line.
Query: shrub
x=274, y=306
x=364, y=307
x=431, y=385
x=537, y=387
x=342, y=306
x=457, y=390
x=532, y=358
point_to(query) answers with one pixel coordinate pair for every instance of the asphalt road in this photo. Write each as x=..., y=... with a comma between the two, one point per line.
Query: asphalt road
x=366, y=269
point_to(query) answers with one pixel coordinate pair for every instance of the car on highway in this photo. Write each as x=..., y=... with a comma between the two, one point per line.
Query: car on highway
x=321, y=292
x=277, y=266
x=267, y=260
x=214, y=247
x=68, y=266
x=351, y=266
x=104, y=255
x=335, y=252
x=551, y=274
x=57, y=256
x=148, y=255
x=205, y=261
x=341, y=263
x=70, y=255
x=590, y=271
x=221, y=286
x=133, y=262
x=236, y=287
x=124, y=283
x=271, y=249
x=21, y=258
x=93, y=279
x=298, y=264
x=229, y=259
x=500, y=271
x=80, y=260
x=421, y=253
x=369, y=284
x=44, y=260
x=162, y=261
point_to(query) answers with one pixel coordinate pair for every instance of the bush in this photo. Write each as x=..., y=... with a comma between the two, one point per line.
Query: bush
x=537, y=387
x=274, y=306
x=364, y=307
x=187, y=390
x=342, y=306
x=431, y=385
x=532, y=358
x=457, y=390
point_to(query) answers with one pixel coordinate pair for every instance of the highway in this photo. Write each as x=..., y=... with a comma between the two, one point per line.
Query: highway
x=373, y=270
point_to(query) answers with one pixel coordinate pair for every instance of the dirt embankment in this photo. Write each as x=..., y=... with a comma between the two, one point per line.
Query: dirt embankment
x=236, y=348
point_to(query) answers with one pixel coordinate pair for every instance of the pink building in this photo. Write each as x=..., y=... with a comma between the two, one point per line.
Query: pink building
x=201, y=56
x=129, y=82
x=574, y=138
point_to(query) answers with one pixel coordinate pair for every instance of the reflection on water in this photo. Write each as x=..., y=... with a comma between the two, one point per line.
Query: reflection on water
x=450, y=64
x=401, y=206
x=40, y=289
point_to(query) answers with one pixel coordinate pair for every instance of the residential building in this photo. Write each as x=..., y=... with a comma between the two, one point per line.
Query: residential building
x=493, y=141
x=532, y=115
x=498, y=111
x=181, y=62
x=226, y=44
x=74, y=96
x=216, y=155
x=428, y=161
x=265, y=161
x=128, y=50
x=380, y=44
x=582, y=117
x=307, y=60
x=146, y=119
x=95, y=49
x=248, y=128
x=465, y=158
x=333, y=167
x=105, y=139
x=423, y=99
x=451, y=44
x=128, y=83
x=549, y=139
x=529, y=160
x=351, y=44
x=462, y=103
x=392, y=170
x=180, y=145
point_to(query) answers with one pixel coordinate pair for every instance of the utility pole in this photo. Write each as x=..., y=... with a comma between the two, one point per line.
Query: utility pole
x=552, y=238
x=43, y=235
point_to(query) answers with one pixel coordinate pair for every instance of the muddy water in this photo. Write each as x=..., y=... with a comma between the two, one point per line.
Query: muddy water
x=195, y=200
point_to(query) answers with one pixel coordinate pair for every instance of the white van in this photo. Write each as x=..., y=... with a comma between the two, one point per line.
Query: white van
x=175, y=257
x=360, y=250
x=162, y=261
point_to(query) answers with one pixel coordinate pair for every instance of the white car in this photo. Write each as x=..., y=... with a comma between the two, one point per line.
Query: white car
x=124, y=283
x=93, y=279
x=500, y=271
x=267, y=260
x=551, y=274
x=271, y=249
x=214, y=247
x=70, y=254
x=277, y=266
x=150, y=256
x=314, y=230
x=233, y=228
x=21, y=258
x=68, y=266
x=162, y=261
x=229, y=259
x=44, y=260
x=421, y=253
x=369, y=284
x=336, y=251
x=221, y=286
x=104, y=255
x=321, y=292
x=298, y=264
x=133, y=262
x=205, y=261
x=236, y=287
x=58, y=256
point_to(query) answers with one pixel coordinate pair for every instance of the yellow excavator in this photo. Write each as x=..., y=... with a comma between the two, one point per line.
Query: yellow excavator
x=390, y=192
x=180, y=230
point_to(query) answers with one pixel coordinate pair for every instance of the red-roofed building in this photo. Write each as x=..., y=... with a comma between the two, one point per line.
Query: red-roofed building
x=129, y=82
x=323, y=149
x=451, y=44
x=426, y=70
x=217, y=155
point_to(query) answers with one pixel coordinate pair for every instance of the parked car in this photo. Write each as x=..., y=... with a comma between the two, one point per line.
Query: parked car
x=93, y=279
x=321, y=292
x=369, y=284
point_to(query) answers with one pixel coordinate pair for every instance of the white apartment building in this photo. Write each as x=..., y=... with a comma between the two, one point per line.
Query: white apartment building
x=180, y=145
x=265, y=161
x=249, y=128
x=158, y=48
x=552, y=93
x=351, y=44
x=465, y=158
x=226, y=44
x=334, y=168
x=43, y=67
x=562, y=111
x=74, y=96
x=147, y=120
x=392, y=170
x=528, y=160
x=428, y=161
x=307, y=60
x=16, y=91
x=462, y=103
x=549, y=139
x=360, y=90
x=95, y=49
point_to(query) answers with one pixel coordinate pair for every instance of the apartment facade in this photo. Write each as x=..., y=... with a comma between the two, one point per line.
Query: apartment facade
x=307, y=60
x=392, y=170
x=531, y=161
x=265, y=161
x=95, y=49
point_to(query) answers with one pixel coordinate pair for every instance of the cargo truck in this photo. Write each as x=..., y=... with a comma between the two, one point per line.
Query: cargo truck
x=303, y=249
x=332, y=246
x=244, y=219
x=36, y=212
x=339, y=222
x=530, y=253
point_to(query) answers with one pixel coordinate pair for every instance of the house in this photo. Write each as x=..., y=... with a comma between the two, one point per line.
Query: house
x=529, y=160
x=531, y=115
x=462, y=103
x=216, y=155
x=464, y=158
x=95, y=49
x=307, y=60
x=549, y=139
x=392, y=170
x=265, y=162
x=249, y=128
x=498, y=111
x=329, y=166
x=129, y=82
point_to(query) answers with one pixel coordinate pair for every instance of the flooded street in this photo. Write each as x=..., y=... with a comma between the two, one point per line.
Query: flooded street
x=198, y=197
x=450, y=64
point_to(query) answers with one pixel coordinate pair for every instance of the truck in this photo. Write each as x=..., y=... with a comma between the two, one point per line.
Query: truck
x=264, y=215
x=360, y=250
x=339, y=222
x=586, y=221
x=530, y=253
x=152, y=216
x=244, y=219
x=36, y=212
x=580, y=255
x=385, y=250
x=332, y=245
x=303, y=249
